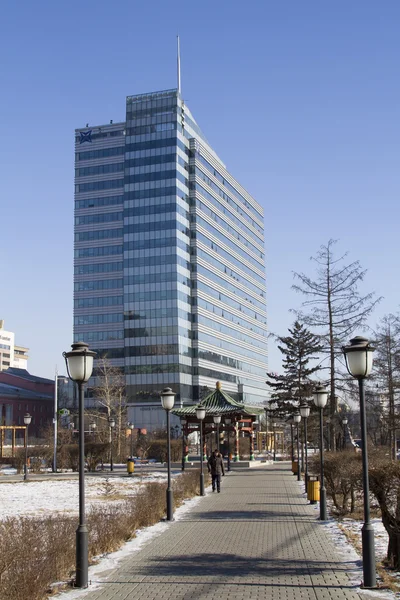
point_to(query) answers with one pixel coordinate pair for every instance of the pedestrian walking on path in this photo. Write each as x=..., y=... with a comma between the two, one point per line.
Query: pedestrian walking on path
x=216, y=468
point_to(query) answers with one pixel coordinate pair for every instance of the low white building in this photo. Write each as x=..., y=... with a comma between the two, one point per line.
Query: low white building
x=10, y=354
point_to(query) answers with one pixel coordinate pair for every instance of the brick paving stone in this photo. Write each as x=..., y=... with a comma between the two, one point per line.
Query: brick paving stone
x=257, y=540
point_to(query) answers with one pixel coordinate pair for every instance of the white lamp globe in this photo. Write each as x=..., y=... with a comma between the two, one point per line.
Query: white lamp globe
x=200, y=413
x=320, y=397
x=359, y=357
x=167, y=399
x=79, y=362
x=305, y=411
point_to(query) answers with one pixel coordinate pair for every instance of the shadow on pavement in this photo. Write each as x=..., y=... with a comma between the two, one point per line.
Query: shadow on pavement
x=224, y=567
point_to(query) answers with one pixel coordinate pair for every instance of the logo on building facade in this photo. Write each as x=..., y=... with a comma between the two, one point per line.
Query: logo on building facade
x=86, y=136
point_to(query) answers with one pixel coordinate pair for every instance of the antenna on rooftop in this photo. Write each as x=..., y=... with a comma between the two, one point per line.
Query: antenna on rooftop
x=179, y=63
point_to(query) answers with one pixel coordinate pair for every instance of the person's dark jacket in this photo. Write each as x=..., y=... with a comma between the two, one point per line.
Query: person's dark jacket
x=216, y=465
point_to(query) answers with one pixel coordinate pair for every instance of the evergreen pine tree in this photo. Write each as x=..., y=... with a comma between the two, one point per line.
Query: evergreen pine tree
x=294, y=385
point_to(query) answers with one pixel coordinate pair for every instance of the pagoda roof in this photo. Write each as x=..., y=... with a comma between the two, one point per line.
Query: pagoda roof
x=219, y=402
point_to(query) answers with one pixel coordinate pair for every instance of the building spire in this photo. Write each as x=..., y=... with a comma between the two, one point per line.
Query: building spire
x=179, y=63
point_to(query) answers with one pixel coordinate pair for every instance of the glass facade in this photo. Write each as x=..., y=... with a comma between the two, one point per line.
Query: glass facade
x=174, y=253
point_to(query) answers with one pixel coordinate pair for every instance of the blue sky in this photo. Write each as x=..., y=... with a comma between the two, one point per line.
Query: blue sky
x=299, y=99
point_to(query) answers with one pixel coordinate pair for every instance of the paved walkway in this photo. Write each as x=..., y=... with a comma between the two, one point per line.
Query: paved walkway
x=258, y=539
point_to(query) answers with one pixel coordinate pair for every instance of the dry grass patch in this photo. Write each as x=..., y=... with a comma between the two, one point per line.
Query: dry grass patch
x=38, y=552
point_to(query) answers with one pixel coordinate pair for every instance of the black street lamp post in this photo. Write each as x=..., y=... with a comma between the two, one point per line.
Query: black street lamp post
x=183, y=425
x=320, y=400
x=305, y=413
x=217, y=421
x=111, y=423
x=358, y=355
x=292, y=439
x=228, y=422
x=132, y=428
x=27, y=422
x=167, y=401
x=274, y=438
x=344, y=423
x=201, y=415
x=296, y=420
x=79, y=362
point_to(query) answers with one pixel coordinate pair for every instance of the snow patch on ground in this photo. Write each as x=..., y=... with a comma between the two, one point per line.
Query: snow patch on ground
x=99, y=573
x=345, y=549
x=37, y=498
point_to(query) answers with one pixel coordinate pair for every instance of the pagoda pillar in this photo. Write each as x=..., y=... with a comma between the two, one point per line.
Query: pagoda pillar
x=251, y=446
x=236, y=458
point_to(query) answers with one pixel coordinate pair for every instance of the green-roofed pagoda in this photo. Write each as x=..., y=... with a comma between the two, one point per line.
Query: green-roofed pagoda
x=234, y=417
x=219, y=402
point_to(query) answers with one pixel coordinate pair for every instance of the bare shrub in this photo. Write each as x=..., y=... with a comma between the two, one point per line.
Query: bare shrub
x=37, y=552
x=18, y=460
x=186, y=486
x=384, y=480
x=68, y=456
x=157, y=449
x=95, y=452
x=33, y=557
x=343, y=479
x=108, y=527
x=71, y=456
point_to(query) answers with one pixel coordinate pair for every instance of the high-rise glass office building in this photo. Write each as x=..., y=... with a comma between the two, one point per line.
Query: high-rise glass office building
x=169, y=259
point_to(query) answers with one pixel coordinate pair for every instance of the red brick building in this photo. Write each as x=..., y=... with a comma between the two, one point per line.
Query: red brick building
x=21, y=393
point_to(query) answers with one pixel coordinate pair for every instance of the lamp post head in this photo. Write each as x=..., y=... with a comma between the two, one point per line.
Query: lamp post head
x=345, y=421
x=217, y=419
x=200, y=412
x=228, y=420
x=111, y=422
x=79, y=362
x=297, y=418
x=305, y=411
x=167, y=399
x=320, y=397
x=359, y=357
x=131, y=426
x=27, y=419
x=93, y=425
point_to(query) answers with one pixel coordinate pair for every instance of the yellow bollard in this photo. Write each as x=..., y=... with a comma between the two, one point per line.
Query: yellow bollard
x=130, y=467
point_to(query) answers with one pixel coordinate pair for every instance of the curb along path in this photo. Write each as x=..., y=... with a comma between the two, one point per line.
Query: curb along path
x=258, y=539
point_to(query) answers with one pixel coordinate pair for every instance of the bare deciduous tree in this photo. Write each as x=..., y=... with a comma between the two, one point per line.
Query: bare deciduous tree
x=110, y=395
x=387, y=374
x=334, y=308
